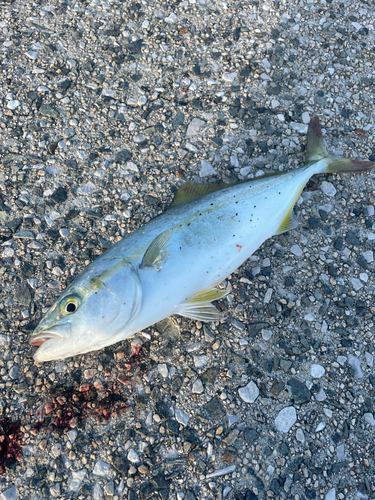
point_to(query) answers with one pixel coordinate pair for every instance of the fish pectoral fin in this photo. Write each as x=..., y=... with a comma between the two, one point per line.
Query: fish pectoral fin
x=199, y=306
x=289, y=222
x=158, y=252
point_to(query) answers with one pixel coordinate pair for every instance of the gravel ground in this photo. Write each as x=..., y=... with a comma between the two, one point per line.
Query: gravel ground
x=106, y=108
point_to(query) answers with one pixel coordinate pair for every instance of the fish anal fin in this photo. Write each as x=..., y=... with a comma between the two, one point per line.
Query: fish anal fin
x=158, y=252
x=199, y=306
x=288, y=223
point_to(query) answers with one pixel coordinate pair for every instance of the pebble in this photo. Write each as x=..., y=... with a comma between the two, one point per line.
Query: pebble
x=249, y=393
x=163, y=370
x=229, y=77
x=328, y=188
x=369, y=418
x=331, y=494
x=221, y=472
x=194, y=126
x=369, y=359
x=10, y=494
x=285, y=419
x=355, y=363
x=200, y=361
x=317, y=371
x=357, y=285
x=300, y=435
x=266, y=334
x=12, y=105
x=97, y=492
x=101, y=469
x=75, y=480
x=181, y=417
x=133, y=456
x=198, y=387
x=206, y=169
x=320, y=426
x=296, y=250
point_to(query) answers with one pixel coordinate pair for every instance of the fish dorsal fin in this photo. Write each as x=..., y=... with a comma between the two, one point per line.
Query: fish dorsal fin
x=191, y=190
x=199, y=306
x=158, y=252
x=315, y=149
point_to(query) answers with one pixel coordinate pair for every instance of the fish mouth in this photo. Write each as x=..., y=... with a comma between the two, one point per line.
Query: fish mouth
x=42, y=337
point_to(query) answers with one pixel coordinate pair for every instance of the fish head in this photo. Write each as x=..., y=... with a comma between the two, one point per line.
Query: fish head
x=88, y=314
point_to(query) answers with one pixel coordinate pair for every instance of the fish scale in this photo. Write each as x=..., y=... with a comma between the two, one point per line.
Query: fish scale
x=171, y=265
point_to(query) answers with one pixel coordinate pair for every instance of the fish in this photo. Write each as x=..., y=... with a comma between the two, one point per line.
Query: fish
x=174, y=263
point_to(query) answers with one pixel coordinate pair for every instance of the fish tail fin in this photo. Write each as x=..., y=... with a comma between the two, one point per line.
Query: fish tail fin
x=316, y=151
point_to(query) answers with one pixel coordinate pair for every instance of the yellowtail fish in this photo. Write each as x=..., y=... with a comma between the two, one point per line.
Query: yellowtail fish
x=172, y=264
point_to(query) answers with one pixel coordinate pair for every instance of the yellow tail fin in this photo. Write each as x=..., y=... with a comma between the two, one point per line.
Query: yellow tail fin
x=315, y=151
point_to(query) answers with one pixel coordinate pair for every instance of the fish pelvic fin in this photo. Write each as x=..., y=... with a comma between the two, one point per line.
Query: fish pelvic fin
x=158, y=252
x=199, y=306
x=315, y=151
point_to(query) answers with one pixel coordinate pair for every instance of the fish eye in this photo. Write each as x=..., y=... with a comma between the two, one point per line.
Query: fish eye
x=69, y=305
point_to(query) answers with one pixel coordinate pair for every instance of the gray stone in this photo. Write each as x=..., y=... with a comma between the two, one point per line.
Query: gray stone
x=229, y=77
x=300, y=392
x=101, y=469
x=200, y=361
x=249, y=393
x=355, y=363
x=133, y=456
x=181, y=417
x=369, y=418
x=328, y=188
x=9, y=494
x=296, y=250
x=194, y=126
x=22, y=294
x=286, y=418
x=206, y=169
x=214, y=408
x=97, y=492
x=75, y=480
x=221, y=472
x=317, y=371
x=13, y=104
x=331, y=494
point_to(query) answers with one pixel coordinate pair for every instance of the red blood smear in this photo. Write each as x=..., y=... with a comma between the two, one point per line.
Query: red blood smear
x=11, y=440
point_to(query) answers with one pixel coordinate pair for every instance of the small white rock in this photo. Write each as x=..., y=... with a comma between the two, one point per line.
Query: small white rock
x=286, y=418
x=331, y=494
x=266, y=334
x=200, y=361
x=249, y=393
x=198, y=387
x=163, y=370
x=32, y=54
x=206, y=169
x=296, y=250
x=133, y=456
x=320, y=427
x=12, y=105
x=194, y=127
x=181, y=417
x=317, y=371
x=306, y=117
x=101, y=469
x=355, y=363
x=328, y=188
x=369, y=418
x=300, y=435
x=229, y=77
